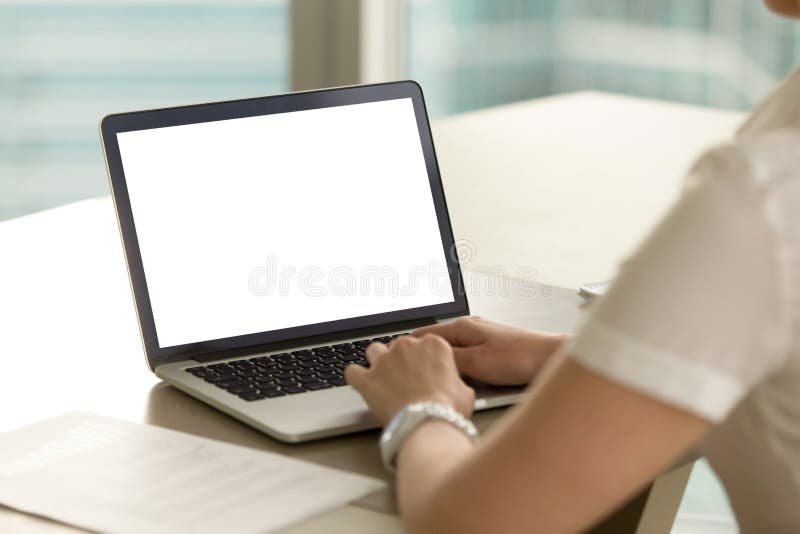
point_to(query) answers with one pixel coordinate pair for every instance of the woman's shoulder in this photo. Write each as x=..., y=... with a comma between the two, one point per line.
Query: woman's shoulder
x=764, y=160
x=772, y=157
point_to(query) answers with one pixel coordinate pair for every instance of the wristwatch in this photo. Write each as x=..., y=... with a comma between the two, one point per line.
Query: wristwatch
x=409, y=418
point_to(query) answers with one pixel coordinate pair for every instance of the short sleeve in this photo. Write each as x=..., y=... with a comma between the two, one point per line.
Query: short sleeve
x=695, y=317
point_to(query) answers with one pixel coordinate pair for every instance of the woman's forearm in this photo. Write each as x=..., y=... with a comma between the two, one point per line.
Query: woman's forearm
x=425, y=461
x=432, y=454
x=539, y=469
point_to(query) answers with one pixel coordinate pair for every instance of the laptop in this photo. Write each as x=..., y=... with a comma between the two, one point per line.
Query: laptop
x=270, y=240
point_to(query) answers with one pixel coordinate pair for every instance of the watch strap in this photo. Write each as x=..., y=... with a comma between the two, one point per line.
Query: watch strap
x=409, y=418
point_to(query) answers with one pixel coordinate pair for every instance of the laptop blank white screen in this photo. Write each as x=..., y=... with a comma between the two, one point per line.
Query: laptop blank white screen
x=263, y=223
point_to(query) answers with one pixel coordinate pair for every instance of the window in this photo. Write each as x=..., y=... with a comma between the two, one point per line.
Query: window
x=66, y=65
x=474, y=53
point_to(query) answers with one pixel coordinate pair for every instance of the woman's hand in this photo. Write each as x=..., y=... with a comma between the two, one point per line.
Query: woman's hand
x=411, y=369
x=494, y=353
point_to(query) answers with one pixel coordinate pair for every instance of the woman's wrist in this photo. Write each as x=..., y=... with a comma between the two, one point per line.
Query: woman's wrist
x=430, y=455
x=557, y=340
x=549, y=345
x=413, y=416
x=542, y=347
x=435, y=431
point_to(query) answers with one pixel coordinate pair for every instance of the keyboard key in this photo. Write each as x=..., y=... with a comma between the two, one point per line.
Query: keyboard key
x=287, y=373
x=242, y=389
x=233, y=384
x=269, y=375
x=287, y=382
x=282, y=376
x=313, y=386
x=326, y=376
x=308, y=378
x=213, y=379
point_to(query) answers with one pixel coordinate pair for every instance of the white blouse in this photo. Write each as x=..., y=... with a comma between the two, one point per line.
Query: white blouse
x=705, y=315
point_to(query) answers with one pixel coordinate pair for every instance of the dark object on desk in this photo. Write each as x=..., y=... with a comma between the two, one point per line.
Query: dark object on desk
x=594, y=290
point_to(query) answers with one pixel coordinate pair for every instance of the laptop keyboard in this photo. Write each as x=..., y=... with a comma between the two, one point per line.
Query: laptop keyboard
x=287, y=373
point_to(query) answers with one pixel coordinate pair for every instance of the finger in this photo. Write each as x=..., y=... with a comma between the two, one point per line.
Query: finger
x=461, y=332
x=356, y=376
x=425, y=330
x=375, y=351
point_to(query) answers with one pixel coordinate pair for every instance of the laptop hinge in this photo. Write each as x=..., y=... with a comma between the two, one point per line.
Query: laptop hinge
x=313, y=340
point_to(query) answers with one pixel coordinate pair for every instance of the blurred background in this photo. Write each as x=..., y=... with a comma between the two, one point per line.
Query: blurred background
x=65, y=64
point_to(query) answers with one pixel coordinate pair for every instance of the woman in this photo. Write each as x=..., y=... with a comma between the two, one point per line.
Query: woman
x=695, y=346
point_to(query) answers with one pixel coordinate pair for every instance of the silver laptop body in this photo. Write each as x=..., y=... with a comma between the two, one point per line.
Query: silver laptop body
x=270, y=240
x=306, y=416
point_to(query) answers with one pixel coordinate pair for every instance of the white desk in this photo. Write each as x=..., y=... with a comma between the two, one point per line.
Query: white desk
x=565, y=185
x=569, y=184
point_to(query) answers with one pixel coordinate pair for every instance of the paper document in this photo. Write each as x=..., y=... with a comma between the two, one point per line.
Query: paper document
x=112, y=476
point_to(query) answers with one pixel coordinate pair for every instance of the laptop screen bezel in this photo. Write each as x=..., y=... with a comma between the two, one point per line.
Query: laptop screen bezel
x=176, y=116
